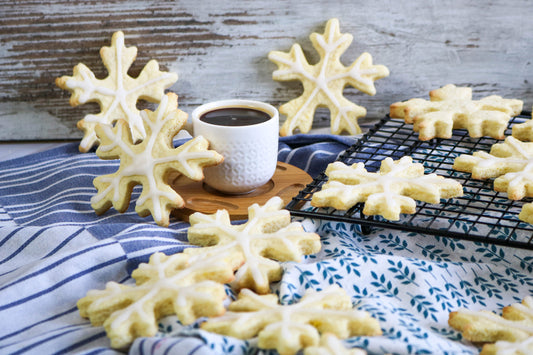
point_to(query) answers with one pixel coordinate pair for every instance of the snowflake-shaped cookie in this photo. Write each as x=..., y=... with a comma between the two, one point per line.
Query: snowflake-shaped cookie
x=324, y=82
x=149, y=162
x=256, y=247
x=118, y=93
x=511, y=333
x=166, y=285
x=511, y=163
x=289, y=328
x=331, y=345
x=452, y=107
x=389, y=192
x=523, y=131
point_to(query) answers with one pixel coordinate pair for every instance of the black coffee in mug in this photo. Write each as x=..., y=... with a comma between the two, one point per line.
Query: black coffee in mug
x=235, y=116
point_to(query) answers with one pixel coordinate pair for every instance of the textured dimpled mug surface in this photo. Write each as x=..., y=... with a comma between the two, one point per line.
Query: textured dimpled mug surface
x=250, y=151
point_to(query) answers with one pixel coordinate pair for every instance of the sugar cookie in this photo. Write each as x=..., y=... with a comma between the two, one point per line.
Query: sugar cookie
x=289, y=328
x=512, y=332
x=256, y=247
x=331, y=345
x=523, y=131
x=149, y=162
x=166, y=285
x=452, y=107
x=118, y=93
x=389, y=192
x=324, y=82
x=511, y=163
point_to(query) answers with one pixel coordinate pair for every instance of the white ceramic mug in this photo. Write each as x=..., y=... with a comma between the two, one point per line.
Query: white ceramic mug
x=250, y=152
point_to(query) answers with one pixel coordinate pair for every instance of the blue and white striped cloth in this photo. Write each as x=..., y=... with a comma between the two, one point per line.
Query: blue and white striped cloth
x=53, y=249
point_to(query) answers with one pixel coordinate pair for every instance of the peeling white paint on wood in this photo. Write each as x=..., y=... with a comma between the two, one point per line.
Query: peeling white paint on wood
x=219, y=50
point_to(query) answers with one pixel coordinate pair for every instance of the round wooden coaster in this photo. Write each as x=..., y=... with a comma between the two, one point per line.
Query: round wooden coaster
x=287, y=181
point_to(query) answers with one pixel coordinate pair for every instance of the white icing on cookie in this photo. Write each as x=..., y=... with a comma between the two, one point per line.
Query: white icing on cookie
x=142, y=165
x=246, y=242
x=118, y=91
x=318, y=79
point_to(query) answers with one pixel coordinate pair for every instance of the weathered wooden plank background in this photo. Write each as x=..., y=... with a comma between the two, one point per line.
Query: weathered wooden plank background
x=219, y=50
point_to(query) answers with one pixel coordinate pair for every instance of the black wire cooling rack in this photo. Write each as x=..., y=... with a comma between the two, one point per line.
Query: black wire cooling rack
x=481, y=214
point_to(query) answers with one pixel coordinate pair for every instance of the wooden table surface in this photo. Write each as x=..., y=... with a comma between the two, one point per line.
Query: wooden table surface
x=219, y=50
